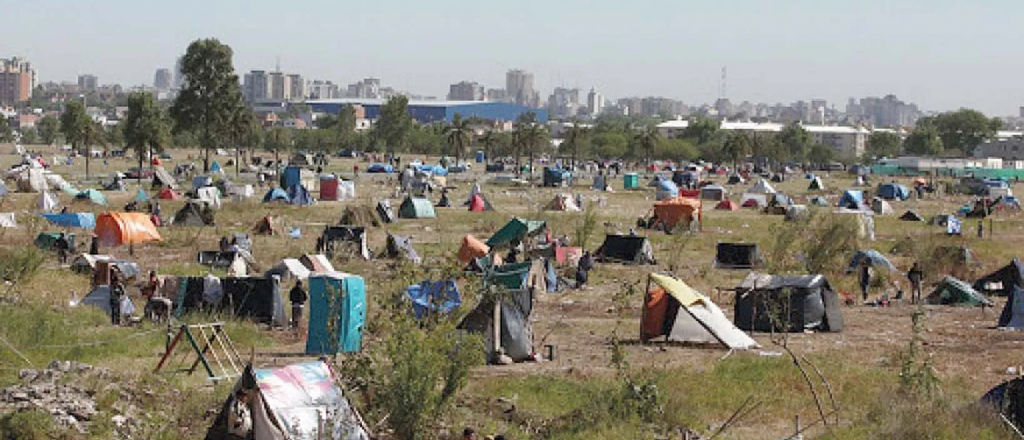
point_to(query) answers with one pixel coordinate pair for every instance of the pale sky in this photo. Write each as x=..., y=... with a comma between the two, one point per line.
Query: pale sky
x=940, y=54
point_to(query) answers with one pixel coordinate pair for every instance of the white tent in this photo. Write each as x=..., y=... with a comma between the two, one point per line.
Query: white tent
x=47, y=202
x=241, y=192
x=7, y=220
x=881, y=207
x=762, y=187
x=562, y=202
x=290, y=269
x=346, y=190
x=698, y=319
x=210, y=195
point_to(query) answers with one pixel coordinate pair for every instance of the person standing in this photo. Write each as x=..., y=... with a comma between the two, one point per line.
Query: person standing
x=62, y=246
x=915, y=275
x=298, y=298
x=865, y=278
x=116, y=293
x=94, y=246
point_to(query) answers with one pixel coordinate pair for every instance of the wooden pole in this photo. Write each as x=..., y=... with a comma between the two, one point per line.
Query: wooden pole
x=497, y=327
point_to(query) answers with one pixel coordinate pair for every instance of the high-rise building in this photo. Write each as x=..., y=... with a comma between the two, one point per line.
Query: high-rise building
x=17, y=80
x=88, y=82
x=256, y=86
x=318, y=89
x=162, y=79
x=179, y=77
x=595, y=102
x=519, y=86
x=296, y=88
x=499, y=95
x=466, y=91
x=563, y=103
x=368, y=88
x=280, y=86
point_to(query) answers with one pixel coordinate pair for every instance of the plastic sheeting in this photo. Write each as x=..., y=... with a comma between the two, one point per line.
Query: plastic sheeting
x=812, y=304
x=118, y=228
x=328, y=289
x=433, y=296
x=84, y=220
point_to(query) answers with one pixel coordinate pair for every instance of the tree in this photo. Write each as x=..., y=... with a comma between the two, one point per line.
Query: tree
x=882, y=144
x=679, y=150
x=345, y=125
x=575, y=137
x=207, y=102
x=701, y=130
x=647, y=139
x=821, y=154
x=245, y=131
x=796, y=141
x=6, y=134
x=146, y=129
x=394, y=124
x=29, y=136
x=963, y=129
x=80, y=131
x=458, y=136
x=531, y=138
x=278, y=139
x=48, y=128
x=113, y=135
x=489, y=141
x=737, y=147
x=924, y=141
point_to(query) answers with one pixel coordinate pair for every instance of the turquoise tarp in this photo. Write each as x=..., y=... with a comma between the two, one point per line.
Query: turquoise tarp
x=341, y=299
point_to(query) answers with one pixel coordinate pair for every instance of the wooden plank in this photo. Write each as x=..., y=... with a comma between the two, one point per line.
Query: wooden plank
x=170, y=349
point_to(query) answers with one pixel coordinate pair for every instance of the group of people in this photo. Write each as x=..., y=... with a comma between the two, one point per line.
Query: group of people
x=915, y=276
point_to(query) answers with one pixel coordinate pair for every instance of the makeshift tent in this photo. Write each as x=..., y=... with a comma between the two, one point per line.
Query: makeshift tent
x=472, y=248
x=341, y=295
x=860, y=182
x=940, y=220
x=296, y=402
x=911, y=216
x=872, y=257
x=1008, y=399
x=671, y=212
x=880, y=206
x=819, y=201
x=141, y=196
x=516, y=229
x=1013, y=312
x=84, y=220
x=416, y=207
x=215, y=167
x=727, y=205
x=45, y=240
x=629, y=249
x=555, y=177
x=86, y=263
x=762, y=187
x=713, y=192
x=380, y=168
x=387, y=215
x=99, y=297
x=168, y=194
x=1003, y=281
x=401, y=247
x=117, y=228
x=163, y=178
x=953, y=226
x=666, y=189
x=201, y=182
x=359, y=216
x=276, y=195
x=266, y=226
x=433, y=296
x=479, y=203
x=737, y=256
x=299, y=195
x=893, y=191
x=7, y=220
x=210, y=196
x=256, y=298
x=681, y=314
x=761, y=302
x=780, y=199
x=193, y=214
x=91, y=195
x=317, y=263
x=352, y=238
x=47, y=202
x=750, y=200
x=239, y=192
x=562, y=202
x=289, y=269
x=515, y=327
x=816, y=184
x=852, y=199
x=953, y=292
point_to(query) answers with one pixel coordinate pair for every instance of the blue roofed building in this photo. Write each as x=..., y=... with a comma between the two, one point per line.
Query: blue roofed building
x=427, y=112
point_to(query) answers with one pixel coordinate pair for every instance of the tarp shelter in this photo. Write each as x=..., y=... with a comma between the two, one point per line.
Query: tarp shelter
x=680, y=209
x=276, y=195
x=91, y=195
x=629, y=249
x=780, y=199
x=168, y=194
x=727, y=205
x=351, y=239
x=299, y=195
x=84, y=220
x=201, y=182
x=255, y=298
x=317, y=263
x=666, y=189
x=479, y=203
x=47, y=202
x=45, y=240
x=562, y=202
x=215, y=167
x=737, y=256
x=516, y=229
x=1008, y=399
x=713, y=192
x=893, y=191
x=556, y=177
x=953, y=292
x=163, y=178
x=881, y=207
x=911, y=216
x=600, y=183
x=515, y=326
x=416, y=207
x=1003, y=281
x=819, y=201
x=117, y=228
x=240, y=192
x=210, y=196
x=816, y=184
x=193, y=214
x=736, y=179
x=762, y=187
x=852, y=199
x=296, y=402
x=874, y=259
x=141, y=196
x=399, y=246
x=797, y=213
x=289, y=269
x=1013, y=312
x=266, y=226
x=761, y=302
x=99, y=297
x=7, y=220
x=681, y=314
x=387, y=215
x=472, y=248
x=337, y=313
x=433, y=297
x=750, y=200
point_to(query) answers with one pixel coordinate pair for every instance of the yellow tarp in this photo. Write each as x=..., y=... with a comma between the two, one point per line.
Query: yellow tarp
x=678, y=289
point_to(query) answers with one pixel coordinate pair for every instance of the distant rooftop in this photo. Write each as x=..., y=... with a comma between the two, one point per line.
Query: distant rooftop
x=418, y=103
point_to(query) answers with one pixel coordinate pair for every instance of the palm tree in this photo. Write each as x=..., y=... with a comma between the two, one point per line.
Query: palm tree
x=575, y=136
x=80, y=130
x=458, y=136
x=531, y=138
x=647, y=138
x=489, y=140
x=737, y=147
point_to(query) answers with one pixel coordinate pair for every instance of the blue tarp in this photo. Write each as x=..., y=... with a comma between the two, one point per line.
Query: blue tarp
x=852, y=199
x=380, y=168
x=437, y=296
x=299, y=195
x=667, y=189
x=893, y=191
x=141, y=196
x=874, y=259
x=215, y=168
x=292, y=176
x=275, y=195
x=346, y=296
x=84, y=220
x=92, y=196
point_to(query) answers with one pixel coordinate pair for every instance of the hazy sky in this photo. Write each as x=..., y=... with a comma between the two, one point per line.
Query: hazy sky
x=941, y=54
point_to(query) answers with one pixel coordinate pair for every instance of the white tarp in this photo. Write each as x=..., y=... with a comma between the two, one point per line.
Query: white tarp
x=210, y=195
x=290, y=269
x=7, y=220
x=762, y=187
x=346, y=190
x=699, y=320
x=47, y=202
x=241, y=192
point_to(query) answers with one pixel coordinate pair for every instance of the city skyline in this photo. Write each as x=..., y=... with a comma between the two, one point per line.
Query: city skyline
x=940, y=54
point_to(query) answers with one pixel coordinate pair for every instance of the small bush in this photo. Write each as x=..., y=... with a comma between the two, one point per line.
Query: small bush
x=27, y=425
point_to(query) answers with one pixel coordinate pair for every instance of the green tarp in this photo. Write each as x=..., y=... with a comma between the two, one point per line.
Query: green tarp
x=953, y=292
x=517, y=229
x=416, y=207
x=511, y=276
x=45, y=240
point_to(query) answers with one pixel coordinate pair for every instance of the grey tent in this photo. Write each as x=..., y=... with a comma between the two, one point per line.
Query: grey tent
x=516, y=331
x=911, y=216
x=737, y=256
x=630, y=249
x=401, y=247
x=762, y=299
x=194, y=213
x=351, y=238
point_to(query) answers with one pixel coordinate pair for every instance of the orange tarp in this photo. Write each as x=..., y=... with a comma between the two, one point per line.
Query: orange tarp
x=472, y=248
x=672, y=211
x=655, y=309
x=117, y=228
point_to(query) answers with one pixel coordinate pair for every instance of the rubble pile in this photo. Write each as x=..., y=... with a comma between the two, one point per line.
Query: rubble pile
x=60, y=390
